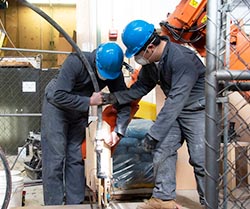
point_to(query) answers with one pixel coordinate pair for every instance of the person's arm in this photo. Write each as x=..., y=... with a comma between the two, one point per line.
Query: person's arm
x=147, y=80
x=123, y=111
x=66, y=81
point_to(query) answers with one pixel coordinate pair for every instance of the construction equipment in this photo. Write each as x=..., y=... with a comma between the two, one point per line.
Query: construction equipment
x=95, y=153
x=187, y=25
x=98, y=180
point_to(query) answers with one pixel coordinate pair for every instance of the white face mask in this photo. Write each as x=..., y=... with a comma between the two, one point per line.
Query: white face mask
x=141, y=60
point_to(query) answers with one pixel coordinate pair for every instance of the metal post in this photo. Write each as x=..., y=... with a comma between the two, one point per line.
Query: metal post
x=225, y=150
x=225, y=29
x=211, y=166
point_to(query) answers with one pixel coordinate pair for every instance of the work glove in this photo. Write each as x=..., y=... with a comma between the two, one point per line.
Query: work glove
x=108, y=98
x=149, y=143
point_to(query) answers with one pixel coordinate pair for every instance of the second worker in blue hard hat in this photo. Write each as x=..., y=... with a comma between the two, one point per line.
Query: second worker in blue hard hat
x=65, y=113
x=181, y=76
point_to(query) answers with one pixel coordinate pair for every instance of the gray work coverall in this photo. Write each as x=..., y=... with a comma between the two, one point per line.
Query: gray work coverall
x=64, y=119
x=181, y=76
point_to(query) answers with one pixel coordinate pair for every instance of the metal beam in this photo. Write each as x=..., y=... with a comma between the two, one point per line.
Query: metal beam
x=33, y=50
x=233, y=75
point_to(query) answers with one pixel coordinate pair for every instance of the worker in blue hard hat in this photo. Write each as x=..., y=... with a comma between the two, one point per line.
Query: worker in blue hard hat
x=65, y=113
x=181, y=76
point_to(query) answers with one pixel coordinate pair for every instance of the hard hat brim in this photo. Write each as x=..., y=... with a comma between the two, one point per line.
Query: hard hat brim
x=130, y=54
x=106, y=75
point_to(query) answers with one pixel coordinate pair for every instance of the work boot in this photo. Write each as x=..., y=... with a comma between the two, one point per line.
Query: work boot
x=154, y=203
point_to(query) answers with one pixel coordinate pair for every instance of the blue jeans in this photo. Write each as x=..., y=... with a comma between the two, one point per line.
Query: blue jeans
x=189, y=126
x=62, y=134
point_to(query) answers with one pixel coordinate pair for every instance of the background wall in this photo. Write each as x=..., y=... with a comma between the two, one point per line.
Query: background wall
x=115, y=14
x=91, y=19
x=26, y=29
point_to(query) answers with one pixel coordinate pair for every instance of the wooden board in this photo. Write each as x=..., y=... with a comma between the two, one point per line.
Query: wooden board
x=38, y=33
x=124, y=205
x=54, y=207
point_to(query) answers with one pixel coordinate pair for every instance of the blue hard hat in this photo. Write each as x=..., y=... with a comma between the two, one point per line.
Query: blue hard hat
x=109, y=60
x=135, y=35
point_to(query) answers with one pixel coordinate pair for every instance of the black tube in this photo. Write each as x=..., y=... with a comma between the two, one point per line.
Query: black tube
x=8, y=189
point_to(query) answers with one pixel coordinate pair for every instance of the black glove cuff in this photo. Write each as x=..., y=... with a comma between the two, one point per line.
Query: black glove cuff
x=150, y=137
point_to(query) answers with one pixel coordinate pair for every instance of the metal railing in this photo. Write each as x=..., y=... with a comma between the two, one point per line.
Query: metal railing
x=227, y=100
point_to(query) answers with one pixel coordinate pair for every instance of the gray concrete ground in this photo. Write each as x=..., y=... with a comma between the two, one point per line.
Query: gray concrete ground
x=188, y=199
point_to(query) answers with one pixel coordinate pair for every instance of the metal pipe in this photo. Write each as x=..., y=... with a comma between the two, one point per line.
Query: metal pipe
x=243, y=86
x=233, y=75
x=226, y=20
x=34, y=50
x=21, y=115
x=225, y=150
x=211, y=166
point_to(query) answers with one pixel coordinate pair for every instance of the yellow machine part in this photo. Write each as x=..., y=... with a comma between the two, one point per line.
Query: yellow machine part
x=147, y=110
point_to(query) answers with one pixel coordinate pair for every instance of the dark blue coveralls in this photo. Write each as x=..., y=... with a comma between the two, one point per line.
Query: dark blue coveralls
x=181, y=76
x=64, y=119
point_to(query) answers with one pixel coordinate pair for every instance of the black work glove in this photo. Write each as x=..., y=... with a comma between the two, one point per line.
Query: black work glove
x=149, y=143
x=108, y=98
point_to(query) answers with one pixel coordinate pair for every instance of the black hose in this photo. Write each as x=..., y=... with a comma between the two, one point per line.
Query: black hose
x=177, y=33
x=8, y=180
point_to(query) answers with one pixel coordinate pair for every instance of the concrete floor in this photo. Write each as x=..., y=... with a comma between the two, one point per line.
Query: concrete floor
x=188, y=199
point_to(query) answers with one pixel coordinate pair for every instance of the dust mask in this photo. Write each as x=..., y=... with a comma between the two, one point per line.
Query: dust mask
x=141, y=60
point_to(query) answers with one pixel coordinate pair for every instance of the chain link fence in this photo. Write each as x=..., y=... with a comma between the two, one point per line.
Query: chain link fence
x=21, y=96
x=227, y=94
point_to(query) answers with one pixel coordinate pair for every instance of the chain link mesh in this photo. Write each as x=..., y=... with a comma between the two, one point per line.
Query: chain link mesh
x=21, y=96
x=233, y=106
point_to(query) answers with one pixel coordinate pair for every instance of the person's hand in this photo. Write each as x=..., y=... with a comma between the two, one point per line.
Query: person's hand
x=149, y=143
x=108, y=98
x=96, y=98
x=112, y=139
